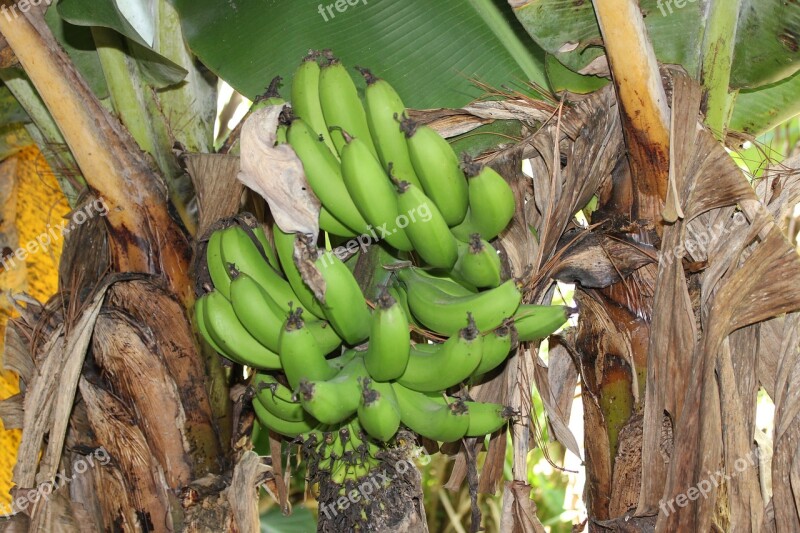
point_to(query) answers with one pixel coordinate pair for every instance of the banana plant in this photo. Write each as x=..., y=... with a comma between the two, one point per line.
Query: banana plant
x=129, y=89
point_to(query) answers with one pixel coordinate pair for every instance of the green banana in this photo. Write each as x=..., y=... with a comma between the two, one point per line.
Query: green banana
x=384, y=109
x=230, y=335
x=343, y=303
x=263, y=318
x=535, y=322
x=336, y=399
x=429, y=418
x=436, y=165
x=478, y=263
x=284, y=245
x=277, y=398
x=305, y=99
x=260, y=439
x=260, y=315
x=445, y=284
x=266, y=245
x=491, y=203
x=429, y=235
x=241, y=255
x=451, y=363
x=329, y=224
x=280, y=426
x=399, y=294
x=281, y=134
x=387, y=355
x=199, y=314
x=445, y=313
x=325, y=176
x=217, y=269
x=342, y=107
x=496, y=347
x=378, y=412
x=486, y=418
x=301, y=354
x=373, y=193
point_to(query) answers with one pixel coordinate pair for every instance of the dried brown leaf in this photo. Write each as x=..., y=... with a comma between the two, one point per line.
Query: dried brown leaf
x=276, y=173
x=519, y=510
x=51, y=393
x=243, y=492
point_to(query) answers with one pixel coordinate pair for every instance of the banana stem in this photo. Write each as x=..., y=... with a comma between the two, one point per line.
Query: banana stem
x=643, y=102
x=719, y=41
x=144, y=238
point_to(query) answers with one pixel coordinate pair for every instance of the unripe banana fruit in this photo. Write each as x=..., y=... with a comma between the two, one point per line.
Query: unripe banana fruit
x=305, y=100
x=446, y=314
x=496, y=347
x=429, y=418
x=387, y=355
x=263, y=318
x=384, y=110
x=336, y=399
x=228, y=333
x=277, y=398
x=301, y=355
x=325, y=176
x=447, y=364
x=486, y=418
x=429, y=235
x=281, y=426
x=241, y=255
x=285, y=246
x=478, y=263
x=217, y=269
x=372, y=191
x=342, y=107
x=343, y=302
x=379, y=413
x=535, y=322
x=438, y=170
x=491, y=203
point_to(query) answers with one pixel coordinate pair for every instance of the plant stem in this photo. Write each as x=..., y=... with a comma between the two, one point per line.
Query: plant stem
x=719, y=40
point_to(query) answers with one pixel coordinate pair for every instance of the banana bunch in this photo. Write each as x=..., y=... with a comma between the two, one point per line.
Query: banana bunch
x=342, y=370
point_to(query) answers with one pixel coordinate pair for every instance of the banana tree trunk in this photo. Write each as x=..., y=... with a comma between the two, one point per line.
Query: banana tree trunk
x=120, y=376
x=614, y=324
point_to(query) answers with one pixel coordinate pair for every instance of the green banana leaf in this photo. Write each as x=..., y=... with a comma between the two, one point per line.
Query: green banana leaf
x=563, y=79
x=569, y=31
x=158, y=70
x=428, y=50
x=766, y=48
x=79, y=45
x=765, y=59
x=762, y=109
x=11, y=112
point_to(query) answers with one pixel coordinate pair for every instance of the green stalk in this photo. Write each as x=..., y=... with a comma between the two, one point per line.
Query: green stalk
x=136, y=105
x=718, y=45
x=125, y=86
x=522, y=52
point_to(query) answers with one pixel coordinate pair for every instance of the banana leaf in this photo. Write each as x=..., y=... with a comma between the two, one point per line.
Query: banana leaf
x=428, y=50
